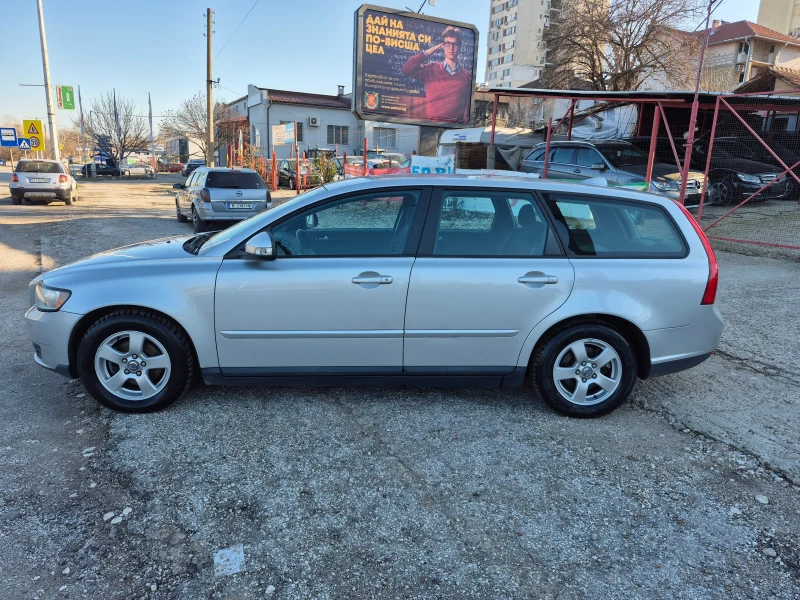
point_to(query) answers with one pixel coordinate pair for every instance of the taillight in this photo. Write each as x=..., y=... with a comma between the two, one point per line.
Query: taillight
x=63, y=179
x=14, y=178
x=204, y=195
x=710, y=295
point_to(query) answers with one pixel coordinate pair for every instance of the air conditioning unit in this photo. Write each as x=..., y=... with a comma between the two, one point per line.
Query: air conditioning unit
x=740, y=68
x=313, y=121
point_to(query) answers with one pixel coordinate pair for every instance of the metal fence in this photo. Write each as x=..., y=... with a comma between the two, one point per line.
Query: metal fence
x=751, y=158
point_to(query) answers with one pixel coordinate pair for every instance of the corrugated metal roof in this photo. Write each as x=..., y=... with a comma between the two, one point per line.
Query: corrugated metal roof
x=320, y=100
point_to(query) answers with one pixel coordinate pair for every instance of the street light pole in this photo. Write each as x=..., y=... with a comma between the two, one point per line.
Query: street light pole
x=209, y=92
x=51, y=116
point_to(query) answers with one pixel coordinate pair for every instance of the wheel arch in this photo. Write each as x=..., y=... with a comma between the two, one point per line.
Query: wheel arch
x=630, y=331
x=90, y=318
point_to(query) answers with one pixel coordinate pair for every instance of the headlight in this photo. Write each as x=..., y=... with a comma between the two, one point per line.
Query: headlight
x=663, y=186
x=748, y=178
x=50, y=299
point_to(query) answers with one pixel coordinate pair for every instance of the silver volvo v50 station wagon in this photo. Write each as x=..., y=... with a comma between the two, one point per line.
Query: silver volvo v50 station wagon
x=422, y=280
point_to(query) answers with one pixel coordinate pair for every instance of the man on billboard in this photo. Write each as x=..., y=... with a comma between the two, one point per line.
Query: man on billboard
x=448, y=85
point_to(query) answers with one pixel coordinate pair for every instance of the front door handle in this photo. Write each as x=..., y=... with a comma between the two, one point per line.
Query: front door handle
x=374, y=279
x=576, y=170
x=538, y=279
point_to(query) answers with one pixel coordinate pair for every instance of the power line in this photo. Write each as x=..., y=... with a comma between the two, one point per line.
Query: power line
x=237, y=29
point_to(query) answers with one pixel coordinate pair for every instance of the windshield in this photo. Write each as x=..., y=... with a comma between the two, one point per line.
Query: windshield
x=623, y=156
x=236, y=181
x=38, y=166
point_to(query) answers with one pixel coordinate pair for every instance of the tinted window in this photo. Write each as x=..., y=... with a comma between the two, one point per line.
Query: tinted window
x=536, y=155
x=624, y=156
x=604, y=227
x=586, y=157
x=562, y=155
x=192, y=179
x=367, y=225
x=236, y=181
x=487, y=224
x=38, y=166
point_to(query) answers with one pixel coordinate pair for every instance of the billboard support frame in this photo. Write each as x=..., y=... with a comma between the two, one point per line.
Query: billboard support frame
x=358, y=43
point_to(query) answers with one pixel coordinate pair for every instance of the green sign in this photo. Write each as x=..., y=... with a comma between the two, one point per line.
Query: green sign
x=66, y=97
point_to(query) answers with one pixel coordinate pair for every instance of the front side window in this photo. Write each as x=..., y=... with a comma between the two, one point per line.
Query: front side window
x=624, y=156
x=561, y=156
x=586, y=157
x=490, y=224
x=375, y=224
x=605, y=227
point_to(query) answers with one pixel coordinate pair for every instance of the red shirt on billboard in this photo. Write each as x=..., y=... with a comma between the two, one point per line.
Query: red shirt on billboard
x=448, y=85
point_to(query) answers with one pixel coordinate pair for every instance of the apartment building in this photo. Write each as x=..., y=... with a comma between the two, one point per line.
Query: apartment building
x=515, y=45
x=782, y=16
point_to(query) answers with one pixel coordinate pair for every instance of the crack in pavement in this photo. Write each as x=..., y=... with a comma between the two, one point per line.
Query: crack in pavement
x=757, y=366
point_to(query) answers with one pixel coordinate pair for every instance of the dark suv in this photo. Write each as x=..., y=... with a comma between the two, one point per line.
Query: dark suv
x=618, y=162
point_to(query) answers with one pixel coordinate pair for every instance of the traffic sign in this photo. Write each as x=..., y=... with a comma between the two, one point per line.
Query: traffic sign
x=24, y=143
x=32, y=129
x=8, y=137
x=66, y=97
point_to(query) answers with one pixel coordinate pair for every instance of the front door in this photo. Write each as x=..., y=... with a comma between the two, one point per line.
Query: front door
x=333, y=301
x=489, y=269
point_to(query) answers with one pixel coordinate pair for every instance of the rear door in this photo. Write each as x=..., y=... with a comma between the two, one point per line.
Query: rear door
x=562, y=164
x=488, y=270
x=236, y=191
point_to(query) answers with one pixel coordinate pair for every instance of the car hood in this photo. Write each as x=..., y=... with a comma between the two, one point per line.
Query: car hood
x=662, y=172
x=161, y=249
x=742, y=165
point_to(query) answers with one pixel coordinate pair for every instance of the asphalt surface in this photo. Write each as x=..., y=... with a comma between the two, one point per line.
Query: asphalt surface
x=690, y=490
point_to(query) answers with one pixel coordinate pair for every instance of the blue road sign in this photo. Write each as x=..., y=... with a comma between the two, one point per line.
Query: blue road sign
x=8, y=137
x=24, y=143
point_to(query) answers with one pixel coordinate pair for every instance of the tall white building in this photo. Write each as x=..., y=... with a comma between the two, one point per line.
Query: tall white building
x=516, y=50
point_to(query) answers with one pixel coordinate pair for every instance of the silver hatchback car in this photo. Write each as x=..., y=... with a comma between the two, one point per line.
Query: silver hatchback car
x=419, y=280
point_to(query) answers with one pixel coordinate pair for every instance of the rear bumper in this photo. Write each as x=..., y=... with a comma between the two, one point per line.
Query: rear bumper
x=40, y=193
x=49, y=332
x=679, y=348
x=207, y=213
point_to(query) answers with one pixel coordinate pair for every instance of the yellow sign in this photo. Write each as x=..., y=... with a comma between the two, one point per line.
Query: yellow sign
x=32, y=128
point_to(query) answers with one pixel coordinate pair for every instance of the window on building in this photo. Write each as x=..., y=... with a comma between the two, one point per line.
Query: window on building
x=506, y=72
x=741, y=77
x=498, y=8
x=386, y=137
x=299, y=131
x=494, y=49
x=772, y=49
x=542, y=113
x=511, y=3
x=508, y=58
x=744, y=47
x=512, y=17
x=508, y=45
x=496, y=36
x=338, y=134
x=510, y=31
x=494, y=62
x=493, y=75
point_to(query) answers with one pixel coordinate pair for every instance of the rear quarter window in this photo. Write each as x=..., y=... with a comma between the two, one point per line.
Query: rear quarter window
x=604, y=227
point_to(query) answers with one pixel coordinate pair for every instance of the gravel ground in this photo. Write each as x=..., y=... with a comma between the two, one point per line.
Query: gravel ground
x=685, y=492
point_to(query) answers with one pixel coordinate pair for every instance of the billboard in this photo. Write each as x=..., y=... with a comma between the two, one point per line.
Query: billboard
x=410, y=68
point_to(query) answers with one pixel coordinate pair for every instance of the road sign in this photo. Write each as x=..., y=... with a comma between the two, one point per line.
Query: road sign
x=8, y=137
x=33, y=130
x=24, y=143
x=66, y=97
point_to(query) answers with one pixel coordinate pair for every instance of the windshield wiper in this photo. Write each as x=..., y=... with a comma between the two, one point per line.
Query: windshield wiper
x=194, y=244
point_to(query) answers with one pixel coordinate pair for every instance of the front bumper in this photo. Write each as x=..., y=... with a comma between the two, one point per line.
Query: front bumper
x=775, y=190
x=677, y=348
x=50, y=333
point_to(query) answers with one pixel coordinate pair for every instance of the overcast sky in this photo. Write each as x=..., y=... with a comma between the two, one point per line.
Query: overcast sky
x=157, y=46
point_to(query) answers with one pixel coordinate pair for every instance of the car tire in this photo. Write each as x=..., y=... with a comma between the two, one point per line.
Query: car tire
x=292, y=185
x=181, y=217
x=558, y=359
x=68, y=199
x=16, y=201
x=721, y=193
x=199, y=225
x=163, y=341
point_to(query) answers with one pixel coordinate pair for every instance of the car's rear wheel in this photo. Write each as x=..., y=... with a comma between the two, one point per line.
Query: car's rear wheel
x=69, y=199
x=199, y=225
x=135, y=361
x=181, y=217
x=586, y=370
x=15, y=200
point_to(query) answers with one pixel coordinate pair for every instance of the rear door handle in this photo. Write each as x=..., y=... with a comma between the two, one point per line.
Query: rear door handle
x=538, y=279
x=375, y=279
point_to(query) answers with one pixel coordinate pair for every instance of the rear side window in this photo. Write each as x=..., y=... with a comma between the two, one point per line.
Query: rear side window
x=38, y=166
x=562, y=156
x=604, y=227
x=234, y=181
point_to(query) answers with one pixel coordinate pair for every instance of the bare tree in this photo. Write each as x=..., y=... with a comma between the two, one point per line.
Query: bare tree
x=116, y=122
x=622, y=45
x=191, y=121
x=520, y=112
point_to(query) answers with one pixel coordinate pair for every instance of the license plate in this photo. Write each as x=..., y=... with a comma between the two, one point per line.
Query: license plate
x=239, y=205
x=38, y=180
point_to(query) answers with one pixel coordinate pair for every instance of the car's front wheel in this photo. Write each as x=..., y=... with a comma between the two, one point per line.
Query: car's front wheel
x=586, y=370
x=181, y=217
x=135, y=361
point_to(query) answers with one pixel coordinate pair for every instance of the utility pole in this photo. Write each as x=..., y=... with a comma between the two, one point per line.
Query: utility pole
x=51, y=116
x=209, y=92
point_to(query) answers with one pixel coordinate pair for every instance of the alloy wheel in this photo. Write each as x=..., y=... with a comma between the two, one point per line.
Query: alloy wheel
x=718, y=192
x=587, y=372
x=132, y=365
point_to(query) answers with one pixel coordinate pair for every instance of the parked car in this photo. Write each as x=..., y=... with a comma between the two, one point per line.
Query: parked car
x=220, y=194
x=139, y=168
x=42, y=180
x=287, y=172
x=106, y=169
x=2, y=162
x=351, y=284
x=174, y=167
x=730, y=179
x=194, y=163
x=619, y=163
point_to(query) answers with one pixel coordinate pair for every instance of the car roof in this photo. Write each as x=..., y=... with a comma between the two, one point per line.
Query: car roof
x=224, y=170
x=587, y=143
x=44, y=160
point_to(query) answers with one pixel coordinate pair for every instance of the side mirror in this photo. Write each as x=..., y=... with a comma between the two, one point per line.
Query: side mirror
x=261, y=246
x=312, y=221
x=177, y=186
x=598, y=166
